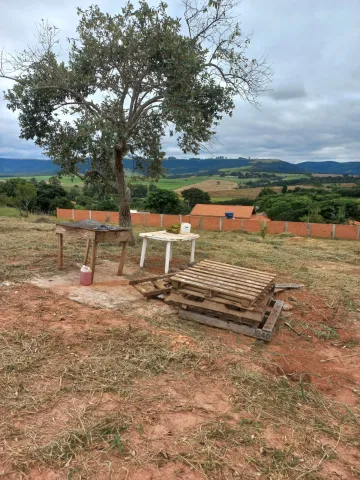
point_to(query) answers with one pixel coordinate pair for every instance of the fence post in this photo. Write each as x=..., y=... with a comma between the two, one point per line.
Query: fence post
x=286, y=226
x=161, y=220
x=90, y=214
x=180, y=218
x=309, y=229
x=220, y=224
x=200, y=223
x=73, y=214
x=333, y=231
x=242, y=224
x=358, y=233
x=144, y=220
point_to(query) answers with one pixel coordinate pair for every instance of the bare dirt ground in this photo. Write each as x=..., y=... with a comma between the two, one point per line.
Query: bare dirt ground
x=97, y=383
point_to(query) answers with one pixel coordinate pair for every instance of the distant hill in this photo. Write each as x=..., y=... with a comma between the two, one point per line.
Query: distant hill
x=347, y=168
x=10, y=167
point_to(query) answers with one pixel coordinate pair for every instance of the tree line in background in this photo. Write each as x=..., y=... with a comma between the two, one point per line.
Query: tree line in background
x=316, y=205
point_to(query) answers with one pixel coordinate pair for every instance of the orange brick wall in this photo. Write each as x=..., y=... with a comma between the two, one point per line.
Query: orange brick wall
x=229, y=225
x=152, y=220
x=64, y=213
x=99, y=216
x=321, y=230
x=170, y=220
x=275, y=227
x=194, y=221
x=137, y=218
x=298, y=228
x=346, y=232
x=81, y=214
x=210, y=223
x=252, y=225
x=114, y=217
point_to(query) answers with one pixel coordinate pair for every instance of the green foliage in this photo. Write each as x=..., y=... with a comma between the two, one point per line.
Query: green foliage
x=138, y=190
x=165, y=201
x=192, y=196
x=284, y=189
x=263, y=230
x=266, y=191
x=315, y=206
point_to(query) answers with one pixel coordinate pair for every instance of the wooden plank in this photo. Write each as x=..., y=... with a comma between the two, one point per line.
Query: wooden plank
x=60, y=250
x=244, y=316
x=238, y=285
x=86, y=255
x=288, y=286
x=215, y=288
x=222, y=282
x=225, y=325
x=76, y=232
x=93, y=257
x=150, y=278
x=245, y=279
x=273, y=317
x=265, y=275
x=218, y=296
x=122, y=259
x=235, y=271
x=112, y=237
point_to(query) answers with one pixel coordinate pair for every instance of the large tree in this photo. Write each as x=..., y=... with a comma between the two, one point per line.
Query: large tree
x=127, y=80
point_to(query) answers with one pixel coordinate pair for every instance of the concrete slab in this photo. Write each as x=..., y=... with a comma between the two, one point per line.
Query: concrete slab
x=107, y=291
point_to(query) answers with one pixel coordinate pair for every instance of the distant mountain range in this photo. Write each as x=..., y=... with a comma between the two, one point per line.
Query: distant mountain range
x=10, y=167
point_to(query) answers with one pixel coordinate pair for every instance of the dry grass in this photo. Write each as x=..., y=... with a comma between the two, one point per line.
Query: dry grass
x=82, y=399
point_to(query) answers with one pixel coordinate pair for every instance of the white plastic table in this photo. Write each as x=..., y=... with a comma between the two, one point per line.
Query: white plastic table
x=169, y=238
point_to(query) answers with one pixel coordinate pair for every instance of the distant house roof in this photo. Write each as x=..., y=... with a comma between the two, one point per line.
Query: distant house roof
x=219, y=210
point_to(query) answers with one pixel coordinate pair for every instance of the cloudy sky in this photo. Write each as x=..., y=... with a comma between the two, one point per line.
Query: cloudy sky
x=312, y=111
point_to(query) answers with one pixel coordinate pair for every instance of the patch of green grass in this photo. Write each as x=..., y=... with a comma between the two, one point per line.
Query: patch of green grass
x=9, y=212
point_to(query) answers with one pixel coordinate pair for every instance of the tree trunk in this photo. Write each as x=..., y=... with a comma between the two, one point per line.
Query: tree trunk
x=124, y=208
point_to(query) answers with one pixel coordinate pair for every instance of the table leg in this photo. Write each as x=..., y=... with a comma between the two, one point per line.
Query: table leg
x=93, y=257
x=122, y=259
x=192, y=255
x=143, y=253
x=60, y=250
x=167, y=256
x=87, y=252
x=171, y=248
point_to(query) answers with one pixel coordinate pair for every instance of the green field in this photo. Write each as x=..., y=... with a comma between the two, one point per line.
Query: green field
x=8, y=212
x=67, y=182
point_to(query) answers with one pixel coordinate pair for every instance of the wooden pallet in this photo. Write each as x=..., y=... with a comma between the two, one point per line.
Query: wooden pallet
x=218, y=282
x=264, y=331
x=153, y=286
x=188, y=300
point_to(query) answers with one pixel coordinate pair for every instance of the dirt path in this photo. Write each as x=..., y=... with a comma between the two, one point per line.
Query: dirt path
x=92, y=393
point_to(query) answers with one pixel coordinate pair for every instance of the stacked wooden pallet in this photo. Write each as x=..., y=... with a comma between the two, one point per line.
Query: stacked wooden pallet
x=227, y=296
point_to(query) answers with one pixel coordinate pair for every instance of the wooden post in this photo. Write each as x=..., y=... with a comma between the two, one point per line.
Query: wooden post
x=333, y=231
x=93, y=256
x=309, y=229
x=143, y=252
x=180, y=219
x=73, y=214
x=60, y=250
x=358, y=233
x=90, y=216
x=242, y=224
x=167, y=257
x=192, y=255
x=220, y=224
x=286, y=226
x=86, y=252
x=161, y=220
x=122, y=259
